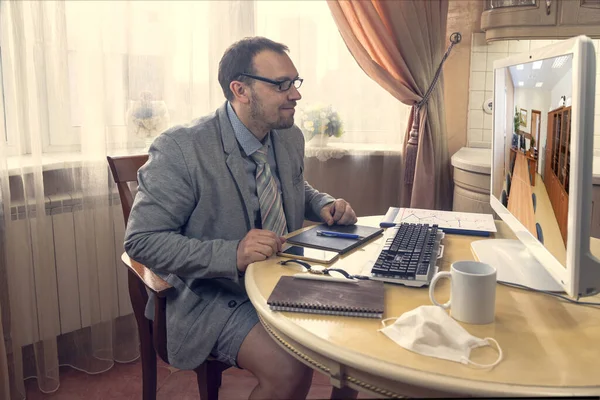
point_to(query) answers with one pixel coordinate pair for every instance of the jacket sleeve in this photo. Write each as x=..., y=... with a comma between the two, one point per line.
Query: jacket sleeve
x=314, y=202
x=165, y=200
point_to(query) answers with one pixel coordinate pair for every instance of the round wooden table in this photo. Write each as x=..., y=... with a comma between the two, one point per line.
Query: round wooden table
x=550, y=347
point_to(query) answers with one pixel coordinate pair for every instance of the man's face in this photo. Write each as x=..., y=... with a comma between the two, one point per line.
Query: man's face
x=270, y=107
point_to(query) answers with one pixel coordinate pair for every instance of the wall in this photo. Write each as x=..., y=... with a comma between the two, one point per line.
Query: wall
x=369, y=182
x=464, y=17
x=534, y=99
x=481, y=80
x=481, y=84
x=564, y=87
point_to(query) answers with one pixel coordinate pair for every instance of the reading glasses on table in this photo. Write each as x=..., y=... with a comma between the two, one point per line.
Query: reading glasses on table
x=324, y=273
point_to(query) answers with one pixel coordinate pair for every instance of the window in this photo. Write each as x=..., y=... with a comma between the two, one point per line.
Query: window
x=93, y=62
x=128, y=50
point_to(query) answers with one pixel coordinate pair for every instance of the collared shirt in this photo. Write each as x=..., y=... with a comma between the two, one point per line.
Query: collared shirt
x=249, y=144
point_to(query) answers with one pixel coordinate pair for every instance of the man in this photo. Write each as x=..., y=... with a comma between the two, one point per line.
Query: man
x=219, y=195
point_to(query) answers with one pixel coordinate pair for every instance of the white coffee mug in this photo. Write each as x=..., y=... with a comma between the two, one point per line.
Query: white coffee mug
x=472, y=292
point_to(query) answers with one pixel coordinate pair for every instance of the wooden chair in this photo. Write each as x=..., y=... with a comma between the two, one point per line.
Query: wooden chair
x=153, y=334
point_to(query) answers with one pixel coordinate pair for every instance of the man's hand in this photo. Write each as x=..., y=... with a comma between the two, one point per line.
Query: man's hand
x=339, y=212
x=257, y=245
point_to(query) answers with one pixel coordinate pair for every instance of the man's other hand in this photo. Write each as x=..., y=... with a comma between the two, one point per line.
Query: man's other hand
x=339, y=212
x=257, y=245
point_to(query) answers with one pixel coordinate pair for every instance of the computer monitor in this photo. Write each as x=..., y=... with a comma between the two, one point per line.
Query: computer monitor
x=546, y=95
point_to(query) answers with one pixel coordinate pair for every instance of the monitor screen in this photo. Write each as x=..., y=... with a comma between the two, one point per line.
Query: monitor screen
x=531, y=171
x=542, y=159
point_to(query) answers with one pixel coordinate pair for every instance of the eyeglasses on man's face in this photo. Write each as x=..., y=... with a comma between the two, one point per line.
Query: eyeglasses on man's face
x=283, y=85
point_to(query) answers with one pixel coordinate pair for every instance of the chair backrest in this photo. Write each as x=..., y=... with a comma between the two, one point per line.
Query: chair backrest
x=503, y=198
x=534, y=199
x=508, y=184
x=124, y=170
x=540, y=233
x=153, y=334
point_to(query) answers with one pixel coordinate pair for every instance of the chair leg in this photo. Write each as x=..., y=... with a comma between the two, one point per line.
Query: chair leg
x=343, y=393
x=202, y=377
x=209, y=380
x=219, y=368
x=148, y=356
x=138, y=296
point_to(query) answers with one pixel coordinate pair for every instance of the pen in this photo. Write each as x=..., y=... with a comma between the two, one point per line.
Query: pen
x=338, y=235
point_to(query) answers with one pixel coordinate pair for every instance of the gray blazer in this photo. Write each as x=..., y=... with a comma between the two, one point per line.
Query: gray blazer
x=190, y=213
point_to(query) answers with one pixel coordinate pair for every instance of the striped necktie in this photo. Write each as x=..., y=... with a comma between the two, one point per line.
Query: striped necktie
x=269, y=199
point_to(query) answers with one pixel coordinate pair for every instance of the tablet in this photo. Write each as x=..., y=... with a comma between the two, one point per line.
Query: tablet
x=308, y=254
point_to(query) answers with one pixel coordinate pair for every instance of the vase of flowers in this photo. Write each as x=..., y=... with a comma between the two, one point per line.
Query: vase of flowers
x=147, y=118
x=318, y=123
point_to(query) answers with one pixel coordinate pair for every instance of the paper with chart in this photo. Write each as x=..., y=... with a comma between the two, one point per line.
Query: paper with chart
x=449, y=221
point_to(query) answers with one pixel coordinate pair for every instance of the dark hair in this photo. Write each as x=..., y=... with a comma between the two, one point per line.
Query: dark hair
x=239, y=57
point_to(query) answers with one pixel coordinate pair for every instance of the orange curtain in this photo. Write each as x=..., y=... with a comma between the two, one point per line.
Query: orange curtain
x=400, y=44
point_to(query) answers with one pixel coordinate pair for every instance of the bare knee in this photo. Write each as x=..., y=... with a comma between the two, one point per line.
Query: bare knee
x=279, y=374
x=290, y=379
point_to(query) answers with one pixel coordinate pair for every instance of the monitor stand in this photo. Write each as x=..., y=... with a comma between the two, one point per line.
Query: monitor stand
x=514, y=263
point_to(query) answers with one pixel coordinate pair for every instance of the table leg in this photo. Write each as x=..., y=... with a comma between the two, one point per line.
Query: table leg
x=343, y=393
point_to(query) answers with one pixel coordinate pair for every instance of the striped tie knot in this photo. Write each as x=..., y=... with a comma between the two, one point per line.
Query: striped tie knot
x=260, y=155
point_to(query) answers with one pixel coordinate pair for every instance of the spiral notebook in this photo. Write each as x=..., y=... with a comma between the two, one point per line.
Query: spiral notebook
x=361, y=299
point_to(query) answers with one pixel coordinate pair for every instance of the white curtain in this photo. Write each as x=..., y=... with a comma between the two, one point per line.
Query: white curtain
x=86, y=79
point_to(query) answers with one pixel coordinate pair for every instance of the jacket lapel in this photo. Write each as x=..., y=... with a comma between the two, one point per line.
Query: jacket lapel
x=234, y=161
x=284, y=168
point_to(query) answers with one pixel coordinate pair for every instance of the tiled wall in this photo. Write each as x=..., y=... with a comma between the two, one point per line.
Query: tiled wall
x=481, y=85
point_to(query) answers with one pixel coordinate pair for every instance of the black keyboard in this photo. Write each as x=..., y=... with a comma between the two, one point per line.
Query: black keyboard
x=408, y=255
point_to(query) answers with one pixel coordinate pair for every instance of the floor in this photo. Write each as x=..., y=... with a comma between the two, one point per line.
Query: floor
x=124, y=381
x=544, y=215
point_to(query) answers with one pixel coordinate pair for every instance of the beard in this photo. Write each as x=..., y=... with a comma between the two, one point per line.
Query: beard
x=260, y=115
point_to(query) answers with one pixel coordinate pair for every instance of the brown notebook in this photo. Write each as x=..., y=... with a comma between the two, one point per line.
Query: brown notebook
x=361, y=299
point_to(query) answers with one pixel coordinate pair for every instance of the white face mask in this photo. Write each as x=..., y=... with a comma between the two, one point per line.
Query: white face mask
x=430, y=331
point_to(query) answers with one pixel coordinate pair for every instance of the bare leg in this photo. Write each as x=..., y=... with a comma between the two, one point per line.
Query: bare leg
x=280, y=375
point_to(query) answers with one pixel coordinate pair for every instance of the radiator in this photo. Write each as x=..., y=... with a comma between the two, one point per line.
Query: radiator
x=63, y=292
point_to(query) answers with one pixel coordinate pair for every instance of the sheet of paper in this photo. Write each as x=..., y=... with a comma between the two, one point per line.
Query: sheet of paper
x=447, y=219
